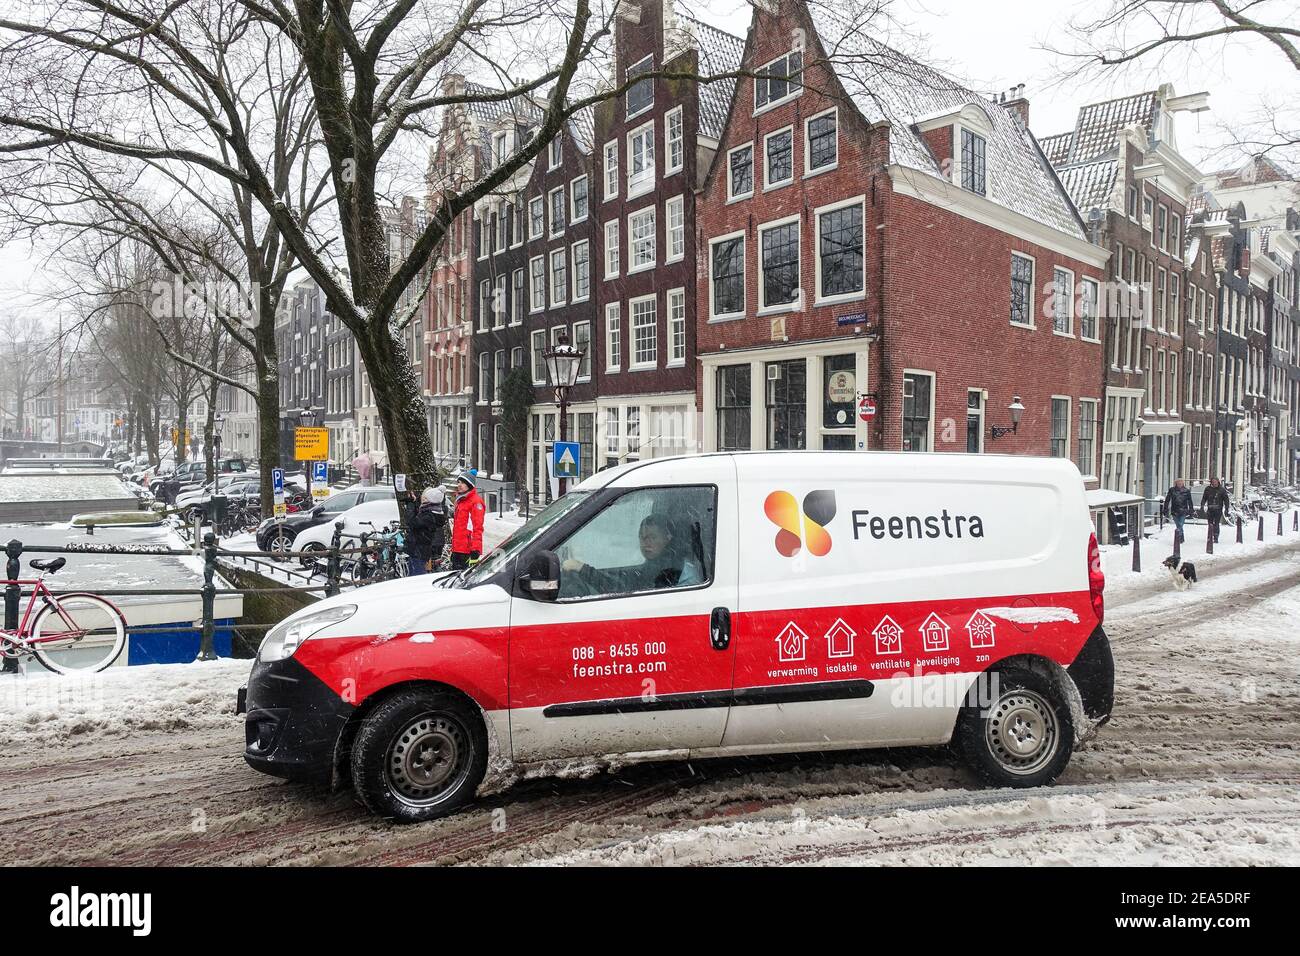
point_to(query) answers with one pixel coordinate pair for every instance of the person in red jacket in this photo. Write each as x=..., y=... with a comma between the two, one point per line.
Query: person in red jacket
x=467, y=523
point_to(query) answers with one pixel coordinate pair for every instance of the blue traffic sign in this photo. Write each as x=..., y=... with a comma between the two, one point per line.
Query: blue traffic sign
x=320, y=472
x=567, y=455
x=277, y=480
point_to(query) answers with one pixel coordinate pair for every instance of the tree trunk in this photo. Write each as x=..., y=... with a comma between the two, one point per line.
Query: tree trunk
x=210, y=430
x=149, y=423
x=401, y=410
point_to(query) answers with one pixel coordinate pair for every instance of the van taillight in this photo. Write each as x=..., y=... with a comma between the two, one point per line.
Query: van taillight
x=1096, y=578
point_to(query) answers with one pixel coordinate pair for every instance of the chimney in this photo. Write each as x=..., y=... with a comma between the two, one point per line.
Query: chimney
x=1015, y=100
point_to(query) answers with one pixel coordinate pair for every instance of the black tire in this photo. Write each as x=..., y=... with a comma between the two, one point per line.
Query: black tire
x=1020, y=709
x=279, y=542
x=310, y=561
x=433, y=732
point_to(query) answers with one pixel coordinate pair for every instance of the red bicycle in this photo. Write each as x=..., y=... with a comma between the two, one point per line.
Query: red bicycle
x=68, y=633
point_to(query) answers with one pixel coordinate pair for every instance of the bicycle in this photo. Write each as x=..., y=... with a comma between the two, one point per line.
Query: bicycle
x=84, y=632
x=382, y=562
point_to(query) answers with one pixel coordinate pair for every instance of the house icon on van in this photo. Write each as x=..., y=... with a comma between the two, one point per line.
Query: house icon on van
x=839, y=639
x=791, y=643
x=980, y=628
x=934, y=634
x=889, y=637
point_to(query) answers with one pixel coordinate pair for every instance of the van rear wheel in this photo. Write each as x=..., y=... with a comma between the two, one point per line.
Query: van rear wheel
x=419, y=755
x=1021, y=734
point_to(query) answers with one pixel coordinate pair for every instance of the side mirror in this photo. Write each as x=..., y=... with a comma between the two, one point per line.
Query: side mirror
x=543, y=577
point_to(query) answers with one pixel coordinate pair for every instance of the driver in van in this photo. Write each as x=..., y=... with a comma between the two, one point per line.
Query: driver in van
x=663, y=565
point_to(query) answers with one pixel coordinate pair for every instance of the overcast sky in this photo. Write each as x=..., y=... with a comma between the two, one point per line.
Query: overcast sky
x=994, y=46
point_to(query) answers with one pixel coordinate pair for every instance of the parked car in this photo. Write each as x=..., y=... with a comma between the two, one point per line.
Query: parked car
x=193, y=472
x=279, y=537
x=378, y=512
x=713, y=606
x=199, y=500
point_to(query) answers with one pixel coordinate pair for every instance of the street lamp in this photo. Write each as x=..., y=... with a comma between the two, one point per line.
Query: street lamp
x=1137, y=429
x=1016, y=410
x=563, y=362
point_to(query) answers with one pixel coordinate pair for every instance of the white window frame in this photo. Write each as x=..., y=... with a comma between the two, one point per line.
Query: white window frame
x=678, y=203
x=574, y=218
x=532, y=339
x=554, y=153
x=763, y=307
x=807, y=139
x=573, y=270
x=773, y=104
x=1096, y=308
x=1097, y=426
x=550, y=211
x=613, y=252
x=626, y=72
x=744, y=277
x=1033, y=300
x=736, y=197
x=562, y=287
x=818, y=298
x=632, y=267
x=573, y=337
x=679, y=294
x=669, y=167
x=613, y=337
x=1069, y=302
x=532, y=219
x=645, y=131
x=633, y=365
x=767, y=179
x=610, y=168
x=533, y=305
x=1069, y=426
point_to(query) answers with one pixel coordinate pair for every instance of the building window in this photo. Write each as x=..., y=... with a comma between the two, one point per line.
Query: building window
x=728, y=276
x=613, y=338
x=778, y=155
x=499, y=303
x=645, y=337
x=839, y=252
x=1088, y=309
x=484, y=377
x=1022, y=290
x=484, y=303
x=641, y=240
x=677, y=327
x=740, y=166
x=499, y=377
x=1062, y=301
x=556, y=152
x=787, y=404
x=973, y=151
x=732, y=407
x=778, y=81
x=557, y=210
x=974, y=420
x=821, y=151
x=579, y=198
x=779, y=257
x=675, y=209
x=518, y=303
x=641, y=94
x=1087, y=436
x=1060, y=428
x=674, y=142
x=641, y=160
x=559, y=277
x=611, y=169
x=581, y=271
x=611, y=249
x=582, y=342
x=917, y=407
x=537, y=275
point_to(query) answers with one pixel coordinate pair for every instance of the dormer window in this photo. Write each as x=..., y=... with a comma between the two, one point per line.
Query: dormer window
x=973, y=168
x=778, y=81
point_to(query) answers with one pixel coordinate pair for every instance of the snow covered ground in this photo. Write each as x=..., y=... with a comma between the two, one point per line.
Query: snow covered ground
x=1198, y=766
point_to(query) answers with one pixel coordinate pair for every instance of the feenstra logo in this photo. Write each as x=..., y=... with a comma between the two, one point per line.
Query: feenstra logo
x=796, y=527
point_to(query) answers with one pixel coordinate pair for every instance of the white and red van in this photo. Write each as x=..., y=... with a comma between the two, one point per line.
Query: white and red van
x=722, y=604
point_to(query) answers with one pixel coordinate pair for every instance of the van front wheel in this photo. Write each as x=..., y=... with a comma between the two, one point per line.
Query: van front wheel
x=419, y=755
x=1020, y=734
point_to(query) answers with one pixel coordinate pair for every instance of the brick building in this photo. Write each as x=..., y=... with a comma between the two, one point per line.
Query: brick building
x=1122, y=167
x=872, y=229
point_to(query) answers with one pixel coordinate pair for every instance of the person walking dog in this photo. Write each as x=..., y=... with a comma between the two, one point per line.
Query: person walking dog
x=426, y=523
x=1178, y=505
x=1215, y=503
x=467, y=523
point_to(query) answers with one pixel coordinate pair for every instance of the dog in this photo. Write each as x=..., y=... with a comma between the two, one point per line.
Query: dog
x=1183, y=573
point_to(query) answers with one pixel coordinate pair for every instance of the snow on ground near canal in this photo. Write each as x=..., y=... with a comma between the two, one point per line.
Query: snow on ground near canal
x=1198, y=766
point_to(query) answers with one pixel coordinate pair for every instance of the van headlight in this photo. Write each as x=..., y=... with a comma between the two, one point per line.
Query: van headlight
x=283, y=640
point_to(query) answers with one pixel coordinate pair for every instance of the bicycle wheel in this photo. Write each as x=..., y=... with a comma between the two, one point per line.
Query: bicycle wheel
x=78, y=634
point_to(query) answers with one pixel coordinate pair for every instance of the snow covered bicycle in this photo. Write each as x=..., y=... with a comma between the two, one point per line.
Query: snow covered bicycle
x=68, y=633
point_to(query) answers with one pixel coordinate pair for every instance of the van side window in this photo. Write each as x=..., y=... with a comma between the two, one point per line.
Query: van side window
x=647, y=540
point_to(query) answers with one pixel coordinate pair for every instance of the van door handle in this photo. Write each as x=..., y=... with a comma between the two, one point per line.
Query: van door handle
x=720, y=628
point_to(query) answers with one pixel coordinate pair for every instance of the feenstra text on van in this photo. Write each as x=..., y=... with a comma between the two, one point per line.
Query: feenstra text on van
x=899, y=527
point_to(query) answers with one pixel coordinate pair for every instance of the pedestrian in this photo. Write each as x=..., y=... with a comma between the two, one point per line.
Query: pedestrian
x=467, y=523
x=1215, y=503
x=1178, y=505
x=426, y=529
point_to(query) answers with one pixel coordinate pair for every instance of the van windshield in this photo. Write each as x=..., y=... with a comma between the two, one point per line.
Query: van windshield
x=496, y=559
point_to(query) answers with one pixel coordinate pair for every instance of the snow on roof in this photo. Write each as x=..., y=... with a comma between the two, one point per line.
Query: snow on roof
x=720, y=52
x=1099, y=124
x=582, y=129
x=1057, y=148
x=1090, y=184
x=885, y=84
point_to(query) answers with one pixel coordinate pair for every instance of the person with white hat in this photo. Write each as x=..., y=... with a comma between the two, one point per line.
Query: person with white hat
x=426, y=529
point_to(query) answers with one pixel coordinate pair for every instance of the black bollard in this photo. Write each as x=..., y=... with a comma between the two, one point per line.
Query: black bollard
x=1261, y=528
x=1137, y=552
x=1239, y=529
x=1210, y=530
x=1279, y=524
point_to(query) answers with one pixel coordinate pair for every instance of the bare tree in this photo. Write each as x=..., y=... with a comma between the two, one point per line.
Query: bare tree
x=26, y=352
